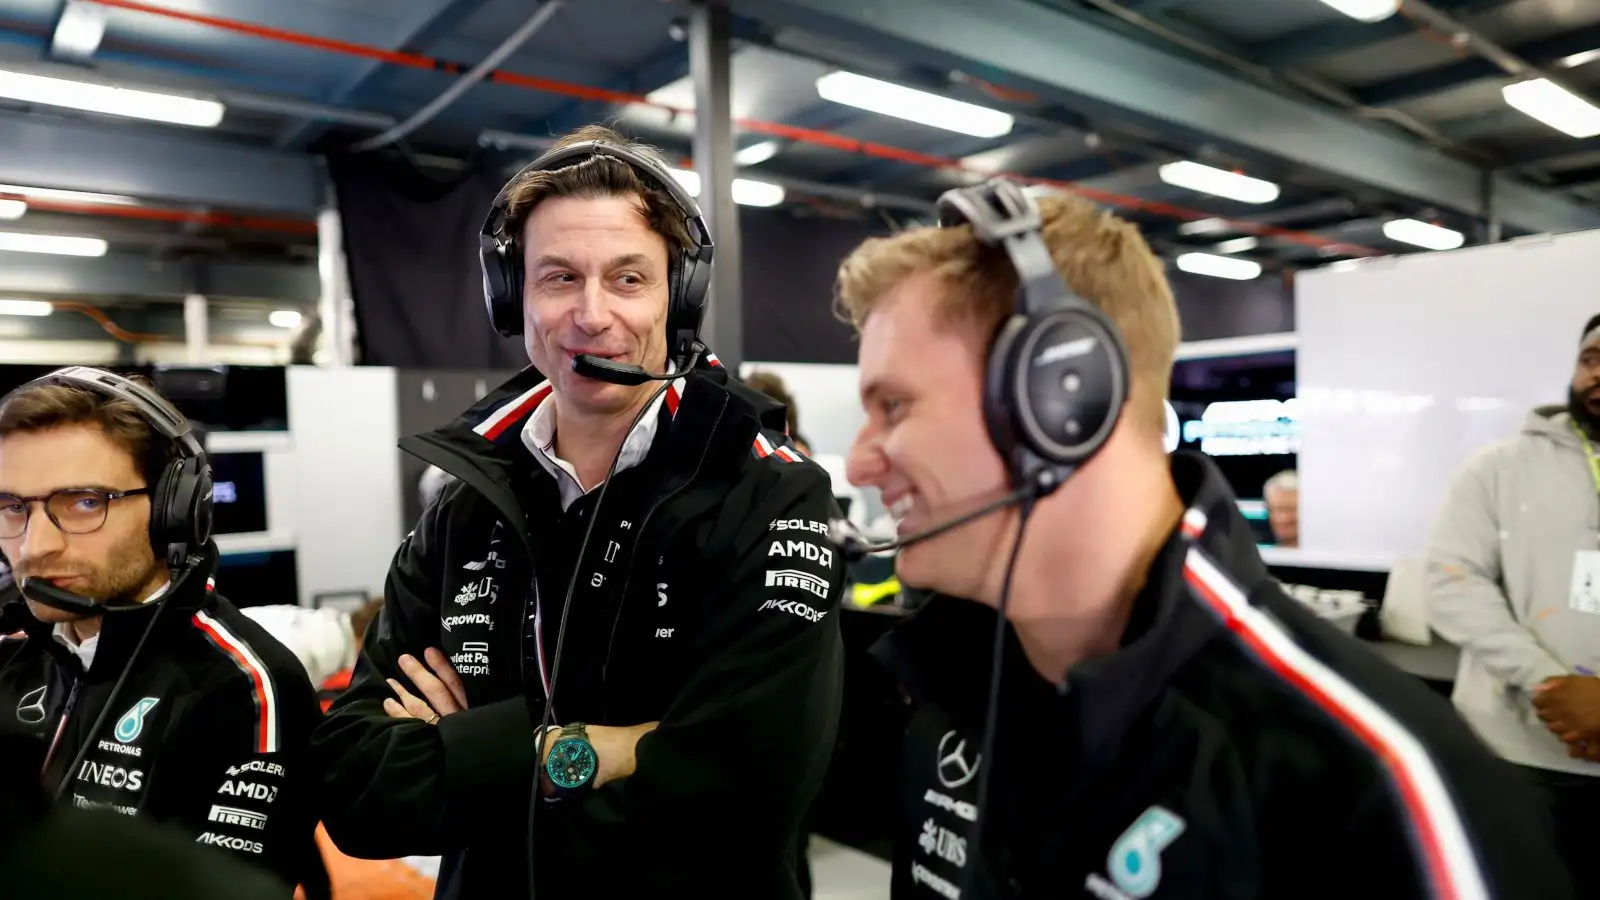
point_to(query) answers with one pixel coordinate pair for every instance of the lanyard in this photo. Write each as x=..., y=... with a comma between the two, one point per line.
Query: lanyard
x=1594, y=458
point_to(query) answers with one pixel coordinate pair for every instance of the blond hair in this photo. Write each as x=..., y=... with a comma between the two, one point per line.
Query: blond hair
x=1103, y=258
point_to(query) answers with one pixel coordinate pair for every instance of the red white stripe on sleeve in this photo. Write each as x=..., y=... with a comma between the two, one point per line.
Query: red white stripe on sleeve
x=764, y=448
x=514, y=411
x=221, y=637
x=1437, y=830
x=1193, y=524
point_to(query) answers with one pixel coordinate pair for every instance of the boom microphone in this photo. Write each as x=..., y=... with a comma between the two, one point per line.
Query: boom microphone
x=855, y=548
x=627, y=374
x=42, y=591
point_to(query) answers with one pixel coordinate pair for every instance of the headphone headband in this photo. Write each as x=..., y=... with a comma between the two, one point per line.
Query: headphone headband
x=645, y=166
x=162, y=415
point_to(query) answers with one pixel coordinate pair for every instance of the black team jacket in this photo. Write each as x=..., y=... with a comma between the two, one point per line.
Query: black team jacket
x=208, y=736
x=707, y=600
x=1236, y=747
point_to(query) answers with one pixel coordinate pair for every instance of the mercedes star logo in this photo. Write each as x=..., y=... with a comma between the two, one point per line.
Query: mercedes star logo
x=954, y=770
x=30, y=709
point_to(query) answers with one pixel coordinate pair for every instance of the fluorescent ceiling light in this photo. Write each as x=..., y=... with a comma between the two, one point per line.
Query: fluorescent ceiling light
x=25, y=308
x=79, y=30
x=37, y=193
x=1366, y=10
x=1579, y=59
x=1422, y=234
x=913, y=105
x=1219, y=182
x=1554, y=105
x=1219, y=266
x=746, y=192
x=61, y=245
x=1204, y=226
x=12, y=209
x=284, y=318
x=756, y=154
x=1237, y=245
x=113, y=101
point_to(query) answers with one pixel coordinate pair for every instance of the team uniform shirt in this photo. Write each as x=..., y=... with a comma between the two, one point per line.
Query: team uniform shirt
x=706, y=600
x=208, y=735
x=1236, y=746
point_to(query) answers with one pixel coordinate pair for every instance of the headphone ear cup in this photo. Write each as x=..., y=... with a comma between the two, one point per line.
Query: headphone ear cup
x=688, y=304
x=1067, y=382
x=181, y=506
x=502, y=284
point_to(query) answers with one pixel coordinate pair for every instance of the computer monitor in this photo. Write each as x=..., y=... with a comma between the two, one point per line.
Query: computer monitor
x=1241, y=411
x=239, y=492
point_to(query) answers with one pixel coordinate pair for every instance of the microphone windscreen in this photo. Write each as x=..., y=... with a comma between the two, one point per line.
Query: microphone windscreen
x=610, y=372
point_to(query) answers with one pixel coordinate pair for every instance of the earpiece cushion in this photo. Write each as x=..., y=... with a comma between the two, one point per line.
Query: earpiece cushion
x=998, y=412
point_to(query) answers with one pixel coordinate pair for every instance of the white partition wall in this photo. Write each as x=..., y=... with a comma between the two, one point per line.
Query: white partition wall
x=1408, y=364
x=346, y=477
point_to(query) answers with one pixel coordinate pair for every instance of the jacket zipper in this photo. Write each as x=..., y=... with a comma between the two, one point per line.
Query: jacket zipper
x=61, y=728
x=506, y=504
x=627, y=579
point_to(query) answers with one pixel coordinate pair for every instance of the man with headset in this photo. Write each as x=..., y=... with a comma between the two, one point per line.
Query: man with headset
x=152, y=696
x=627, y=595
x=1122, y=703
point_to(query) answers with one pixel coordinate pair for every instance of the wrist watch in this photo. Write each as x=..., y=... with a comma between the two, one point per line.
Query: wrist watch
x=572, y=763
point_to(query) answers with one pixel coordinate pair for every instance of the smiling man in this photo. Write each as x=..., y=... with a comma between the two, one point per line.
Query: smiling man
x=1151, y=716
x=1514, y=580
x=644, y=565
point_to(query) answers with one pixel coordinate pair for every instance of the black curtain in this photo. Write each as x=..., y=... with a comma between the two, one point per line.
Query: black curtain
x=411, y=244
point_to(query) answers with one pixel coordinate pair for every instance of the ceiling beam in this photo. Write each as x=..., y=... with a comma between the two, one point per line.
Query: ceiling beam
x=176, y=166
x=1103, y=70
x=1318, y=42
x=408, y=33
x=1462, y=72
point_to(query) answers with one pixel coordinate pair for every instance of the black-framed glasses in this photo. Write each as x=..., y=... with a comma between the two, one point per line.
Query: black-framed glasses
x=73, y=510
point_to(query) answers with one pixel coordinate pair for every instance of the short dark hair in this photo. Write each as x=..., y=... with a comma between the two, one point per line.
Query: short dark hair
x=1594, y=323
x=598, y=177
x=44, y=405
x=772, y=385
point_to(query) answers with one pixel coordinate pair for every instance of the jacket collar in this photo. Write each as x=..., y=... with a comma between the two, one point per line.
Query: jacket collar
x=942, y=653
x=707, y=416
x=120, y=632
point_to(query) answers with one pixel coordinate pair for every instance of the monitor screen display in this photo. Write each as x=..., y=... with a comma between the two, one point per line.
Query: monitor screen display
x=239, y=496
x=1241, y=411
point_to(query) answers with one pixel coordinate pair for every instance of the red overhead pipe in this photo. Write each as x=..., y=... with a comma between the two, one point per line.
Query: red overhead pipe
x=775, y=129
x=159, y=214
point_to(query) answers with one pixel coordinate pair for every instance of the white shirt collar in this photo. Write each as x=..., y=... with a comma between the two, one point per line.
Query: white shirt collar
x=539, y=436
x=85, y=650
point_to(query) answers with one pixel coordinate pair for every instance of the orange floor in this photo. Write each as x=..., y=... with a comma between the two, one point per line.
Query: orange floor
x=370, y=879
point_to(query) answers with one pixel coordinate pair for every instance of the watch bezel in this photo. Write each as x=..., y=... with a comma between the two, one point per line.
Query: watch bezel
x=557, y=781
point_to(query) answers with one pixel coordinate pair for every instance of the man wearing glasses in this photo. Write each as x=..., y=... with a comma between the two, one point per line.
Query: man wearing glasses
x=145, y=693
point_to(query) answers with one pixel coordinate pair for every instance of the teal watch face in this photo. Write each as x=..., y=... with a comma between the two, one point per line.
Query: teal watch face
x=572, y=763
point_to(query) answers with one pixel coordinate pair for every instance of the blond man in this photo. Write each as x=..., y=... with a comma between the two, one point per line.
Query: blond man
x=1166, y=723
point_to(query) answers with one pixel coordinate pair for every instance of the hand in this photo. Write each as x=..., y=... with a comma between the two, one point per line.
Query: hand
x=1569, y=705
x=442, y=690
x=615, y=747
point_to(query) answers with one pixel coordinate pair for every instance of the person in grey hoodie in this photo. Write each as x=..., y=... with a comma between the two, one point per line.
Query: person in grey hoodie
x=1513, y=574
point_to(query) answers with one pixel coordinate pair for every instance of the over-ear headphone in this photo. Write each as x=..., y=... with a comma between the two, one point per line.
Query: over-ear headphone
x=180, y=498
x=1057, y=375
x=689, y=268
